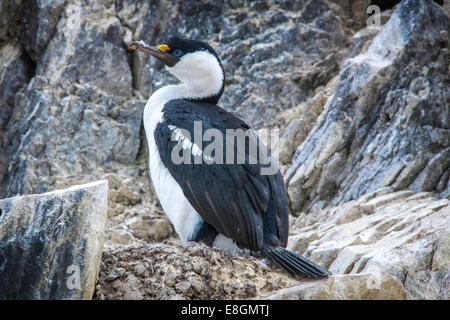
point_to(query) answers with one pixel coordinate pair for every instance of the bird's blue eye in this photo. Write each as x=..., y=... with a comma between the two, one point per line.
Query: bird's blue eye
x=177, y=52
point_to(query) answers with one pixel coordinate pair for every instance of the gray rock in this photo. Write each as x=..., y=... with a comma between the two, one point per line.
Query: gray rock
x=50, y=135
x=87, y=49
x=387, y=123
x=399, y=251
x=15, y=73
x=51, y=244
x=355, y=11
x=301, y=120
x=76, y=115
x=150, y=229
x=9, y=19
x=38, y=23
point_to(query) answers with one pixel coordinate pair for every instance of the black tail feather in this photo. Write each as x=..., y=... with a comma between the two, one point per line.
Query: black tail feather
x=294, y=263
x=300, y=265
x=282, y=263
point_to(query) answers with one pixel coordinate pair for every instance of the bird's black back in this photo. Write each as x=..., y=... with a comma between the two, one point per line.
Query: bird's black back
x=235, y=198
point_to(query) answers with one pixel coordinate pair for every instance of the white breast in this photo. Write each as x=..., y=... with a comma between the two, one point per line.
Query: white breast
x=180, y=212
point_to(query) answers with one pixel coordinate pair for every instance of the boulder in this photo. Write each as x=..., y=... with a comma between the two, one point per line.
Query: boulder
x=51, y=244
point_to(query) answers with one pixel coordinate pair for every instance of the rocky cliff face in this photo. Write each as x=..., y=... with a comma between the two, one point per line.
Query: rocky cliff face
x=360, y=109
x=387, y=123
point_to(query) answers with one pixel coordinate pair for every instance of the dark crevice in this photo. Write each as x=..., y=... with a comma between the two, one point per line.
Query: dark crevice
x=404, y=278
x=30, y=65
x=131, y=58
x=389, y=4
x=362, y=265
x=384, y=4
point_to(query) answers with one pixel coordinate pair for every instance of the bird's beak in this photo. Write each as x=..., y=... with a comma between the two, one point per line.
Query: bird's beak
x=168, y=59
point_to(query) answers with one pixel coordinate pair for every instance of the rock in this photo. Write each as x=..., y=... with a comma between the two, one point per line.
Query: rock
x=150, y=229
x=370, y=206
x=384, y=124
x=57, y=136
x=51, y=244
x=116, y=273
x=362, y=40
x=349, y=287
x=76, y=115
x=120, y=236
x=9, y=19
x=302, y=241
x=402, y=242
x=398, y=251
x=355, y=11
x=442, y=253
x=96, y=37
x=303, y=117
x=39, y=19
x=425, y=285
x=15, y=73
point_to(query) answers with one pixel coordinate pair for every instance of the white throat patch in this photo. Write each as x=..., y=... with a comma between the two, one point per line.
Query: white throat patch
x=200, y=72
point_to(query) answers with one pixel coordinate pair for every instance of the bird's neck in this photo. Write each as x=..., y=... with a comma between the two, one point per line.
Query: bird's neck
x=207, y=88
x=153, y=108
x=186, y=91
x=202, y=78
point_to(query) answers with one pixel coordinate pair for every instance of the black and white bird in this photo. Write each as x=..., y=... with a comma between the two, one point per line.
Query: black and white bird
x=226, y=204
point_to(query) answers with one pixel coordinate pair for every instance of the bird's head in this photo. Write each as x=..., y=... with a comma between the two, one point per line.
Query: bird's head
x=194, y=63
